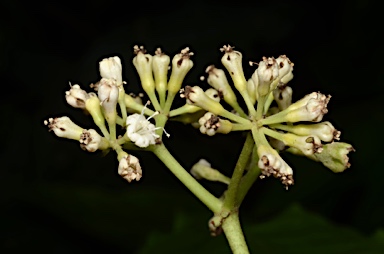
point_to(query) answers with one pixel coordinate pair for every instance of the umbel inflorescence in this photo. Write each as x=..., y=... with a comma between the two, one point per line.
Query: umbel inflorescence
x=276, y=124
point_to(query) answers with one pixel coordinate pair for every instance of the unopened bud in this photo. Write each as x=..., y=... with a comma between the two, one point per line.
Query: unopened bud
x=76, y=97
x=110, y=68
x=129, y=168
x=143, y=65
x=181, y=64
x=108, y=94
x=211, y=124
x=91, y=141
x=160, y=65
x=202, y=170
x=267, y=72
x=64, y=127
x=283, y=97
x=232, y=60
x=218, y=80
x=196, y=96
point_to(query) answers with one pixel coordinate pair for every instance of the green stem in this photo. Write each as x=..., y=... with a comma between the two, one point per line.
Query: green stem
x=234, y=234
x=250, y=177
x=168, y=103
x=213, y=203
x=230, y=201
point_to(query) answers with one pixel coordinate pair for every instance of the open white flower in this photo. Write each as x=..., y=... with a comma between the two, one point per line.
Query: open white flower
x=141, y=131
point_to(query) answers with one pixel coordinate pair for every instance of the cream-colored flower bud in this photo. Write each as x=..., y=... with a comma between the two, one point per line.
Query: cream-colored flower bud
x=181, y=64
x=313, y=110
x=211, y=124
x=63, y=127
x=285, y=67
x=92, y=105
x=306, y=144
x=160, y=65
x=324, y=130
x=267, y=72
x=232, y=60
x=108, y=93
x=283, y=97
x=91, y=141
x=143, y=65
x=196, y=96
x=110, y=68
x=202, y=170
x=218, y=80
x=76, y=97
x=271, y=164
x=129, y=167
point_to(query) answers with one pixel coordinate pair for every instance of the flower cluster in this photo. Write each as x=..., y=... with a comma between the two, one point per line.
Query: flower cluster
x=277, y=125
x=110, y=106
x=280, y=127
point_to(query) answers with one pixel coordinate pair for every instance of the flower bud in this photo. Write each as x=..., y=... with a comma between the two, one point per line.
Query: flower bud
x=283, y=97
x=211, y=124
x=252, y=90
x=324, y=130
x=108, y=94
x=63, y=127
x=285, y=69
x=313, y=110
x=271, y=164
x=129, y=168
x=160, y=65
x=110, y=68
x=76, y=97
x=267, y=72
x=92, y=105
x=181, y=64
x=335, y=156
x=143, y=65
x=202, y=170
x=196, y=96
x=91, y=141
x=218, y=80
x=306, y=144
x=232, y=60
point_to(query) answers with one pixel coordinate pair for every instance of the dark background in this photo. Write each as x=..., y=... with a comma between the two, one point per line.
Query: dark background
x=55, y=198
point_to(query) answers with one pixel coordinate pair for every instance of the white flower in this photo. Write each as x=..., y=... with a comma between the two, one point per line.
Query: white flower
x=141, y=131
x=129, y=168
x=110, y=68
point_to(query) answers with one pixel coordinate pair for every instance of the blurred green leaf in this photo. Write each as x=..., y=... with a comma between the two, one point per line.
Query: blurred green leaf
x=293, y=231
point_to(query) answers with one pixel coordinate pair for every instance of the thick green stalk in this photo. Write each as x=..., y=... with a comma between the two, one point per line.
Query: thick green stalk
x=234, y=234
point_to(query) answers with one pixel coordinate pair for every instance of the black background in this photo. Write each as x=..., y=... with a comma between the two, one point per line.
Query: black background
x=58, y=199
